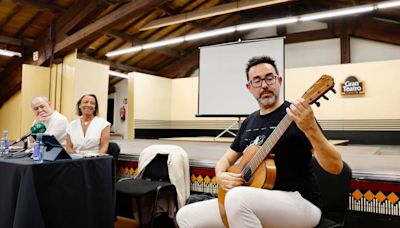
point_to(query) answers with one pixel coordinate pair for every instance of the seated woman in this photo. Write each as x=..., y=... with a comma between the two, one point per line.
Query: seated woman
x=89, y=134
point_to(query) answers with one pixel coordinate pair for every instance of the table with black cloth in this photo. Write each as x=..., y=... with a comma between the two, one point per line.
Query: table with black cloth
x=63, y=193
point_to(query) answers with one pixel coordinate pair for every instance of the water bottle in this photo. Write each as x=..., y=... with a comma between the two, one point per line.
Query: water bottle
x=38, y=149
x=5, y=143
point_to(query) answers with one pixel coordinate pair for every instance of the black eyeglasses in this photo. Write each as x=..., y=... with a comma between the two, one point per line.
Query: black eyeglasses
x=257, y=81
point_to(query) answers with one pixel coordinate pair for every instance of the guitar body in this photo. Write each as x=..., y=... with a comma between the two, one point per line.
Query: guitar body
x=263, y=177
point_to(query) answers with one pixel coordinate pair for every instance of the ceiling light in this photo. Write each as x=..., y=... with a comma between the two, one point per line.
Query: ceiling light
x=215, y=32
x=163, y=43
x=124, y=51
x=336, y=13
x=268, y=23
x=281, y=21
x=9, y=53
x=118, y=74
x=387, y=4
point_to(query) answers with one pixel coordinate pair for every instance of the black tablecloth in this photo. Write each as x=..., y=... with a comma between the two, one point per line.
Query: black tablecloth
x=65, y=193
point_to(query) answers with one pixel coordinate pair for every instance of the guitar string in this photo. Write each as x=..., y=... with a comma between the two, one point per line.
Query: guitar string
x=265, y=149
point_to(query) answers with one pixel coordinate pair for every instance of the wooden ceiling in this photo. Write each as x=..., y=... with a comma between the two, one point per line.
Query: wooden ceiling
x=55, y=28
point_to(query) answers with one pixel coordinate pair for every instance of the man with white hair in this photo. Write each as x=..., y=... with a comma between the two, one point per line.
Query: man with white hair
x=56, y=123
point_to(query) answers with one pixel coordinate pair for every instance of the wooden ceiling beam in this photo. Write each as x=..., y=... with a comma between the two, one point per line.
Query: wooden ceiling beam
x=181, y=67
x=47, y=46
x=210, y=12
x=128, y=38
x=195, y=24
x=42, y=6
x=77, y=16
x=27, y=24
x=58, y=30
x=14, y=41
x=9, y=17
x=378, y=30
x=12, y=75
x=345, y=41
x=114, y=65
x=105, y=23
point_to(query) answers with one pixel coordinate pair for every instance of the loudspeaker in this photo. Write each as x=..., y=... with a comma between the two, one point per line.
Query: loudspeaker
x=55, y=153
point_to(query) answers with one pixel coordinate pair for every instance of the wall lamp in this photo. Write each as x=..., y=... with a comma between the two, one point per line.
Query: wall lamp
x=261, y=24
x=9, y=53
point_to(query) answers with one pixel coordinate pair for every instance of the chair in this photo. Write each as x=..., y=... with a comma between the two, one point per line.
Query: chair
x=335, y=195
x=114, y=150
x=154, y=182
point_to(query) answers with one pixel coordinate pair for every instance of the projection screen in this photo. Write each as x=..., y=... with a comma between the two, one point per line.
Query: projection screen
x=222, y=79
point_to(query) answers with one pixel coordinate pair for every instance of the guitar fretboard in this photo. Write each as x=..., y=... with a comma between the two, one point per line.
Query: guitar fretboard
x=268, y=145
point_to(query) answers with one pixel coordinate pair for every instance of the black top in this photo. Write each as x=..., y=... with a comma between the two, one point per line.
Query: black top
x=292, y=152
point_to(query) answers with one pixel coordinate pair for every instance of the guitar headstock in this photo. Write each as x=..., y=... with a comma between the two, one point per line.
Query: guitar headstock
x=319, y=88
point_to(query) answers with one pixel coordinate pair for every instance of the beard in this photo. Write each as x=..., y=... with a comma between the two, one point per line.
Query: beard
x=267, y=101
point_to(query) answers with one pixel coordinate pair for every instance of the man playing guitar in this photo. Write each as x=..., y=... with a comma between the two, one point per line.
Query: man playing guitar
x=293, y=199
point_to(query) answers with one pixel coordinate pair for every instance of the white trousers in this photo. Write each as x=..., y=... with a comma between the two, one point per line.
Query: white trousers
x=252, y=207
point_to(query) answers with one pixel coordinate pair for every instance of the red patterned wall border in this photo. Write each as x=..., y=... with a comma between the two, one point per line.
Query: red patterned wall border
x=380, y=197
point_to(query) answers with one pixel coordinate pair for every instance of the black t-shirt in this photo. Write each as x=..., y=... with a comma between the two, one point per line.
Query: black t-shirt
x=292, y=152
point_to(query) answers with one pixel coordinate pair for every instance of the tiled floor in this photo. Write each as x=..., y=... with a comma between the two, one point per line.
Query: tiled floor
x=375, y=162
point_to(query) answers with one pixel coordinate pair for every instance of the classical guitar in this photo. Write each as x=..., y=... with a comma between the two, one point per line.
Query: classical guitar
x=257, y=165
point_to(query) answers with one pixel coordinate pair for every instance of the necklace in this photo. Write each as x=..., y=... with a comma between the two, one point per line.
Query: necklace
x=86, y=122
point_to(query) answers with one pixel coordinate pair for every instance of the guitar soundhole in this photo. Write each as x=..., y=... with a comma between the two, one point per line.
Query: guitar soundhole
x=247, y=175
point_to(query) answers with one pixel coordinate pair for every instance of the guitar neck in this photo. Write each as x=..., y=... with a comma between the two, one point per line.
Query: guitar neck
x=271, y=141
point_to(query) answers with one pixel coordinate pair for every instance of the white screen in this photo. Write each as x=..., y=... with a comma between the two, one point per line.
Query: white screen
x=222, y=80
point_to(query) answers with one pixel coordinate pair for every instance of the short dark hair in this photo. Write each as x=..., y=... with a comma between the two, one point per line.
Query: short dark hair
x=257, y=60
x=96, y=109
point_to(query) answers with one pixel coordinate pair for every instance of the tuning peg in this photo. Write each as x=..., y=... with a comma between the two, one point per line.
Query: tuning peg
x=325, y=97
x=317, y=103
x=333, y=90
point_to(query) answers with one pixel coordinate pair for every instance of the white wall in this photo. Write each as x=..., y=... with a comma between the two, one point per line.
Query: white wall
x=367, y=50
x=172, y=103
x=184, y=95
x=152, y=97
x=92, y=78
x=312, y=53
x=326, y=52
x=79, y=77
x=35, y=82
x=163, y=103
x=377, y=109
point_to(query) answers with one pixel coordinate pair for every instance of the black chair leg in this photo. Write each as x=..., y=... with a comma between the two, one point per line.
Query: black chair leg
x=154, y=207
x=137, y=212
x=169, y=188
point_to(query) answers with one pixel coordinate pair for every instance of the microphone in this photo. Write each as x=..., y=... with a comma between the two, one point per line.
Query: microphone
x=36, y=128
